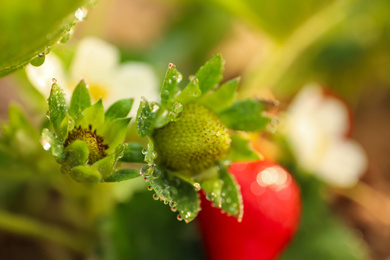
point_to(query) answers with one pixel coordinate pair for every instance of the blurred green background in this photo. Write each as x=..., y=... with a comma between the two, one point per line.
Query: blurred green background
x=275, y=46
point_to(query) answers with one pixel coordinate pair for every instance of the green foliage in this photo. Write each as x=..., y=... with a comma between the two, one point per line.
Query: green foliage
x=119, y=109
x=133, y=153
x=221, y=98
x=31, y=27
x=122, y=175
x=240, y=149
x=245, y=115
x=179, y=161
x=85, y=143
x=210, y=74
x=80, y=99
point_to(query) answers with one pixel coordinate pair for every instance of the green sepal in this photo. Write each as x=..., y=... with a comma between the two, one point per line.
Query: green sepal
x=212, y=186
x=165, y=116
x=57, y=108
x=221, y=98
x=123, y=175
x=107, y=165
x=241, y=150
x=170, y=86
x=210, y=74
x=245, y=115
x=76, y=154
x=86, y=174
x=180, y=195
x=93, y=115
x=133, y=153
x=190, y=93
x=119, y=109
x=145, y=118
x=56, y=148
x=114, y=132
x=80, y=99
x=231, y=194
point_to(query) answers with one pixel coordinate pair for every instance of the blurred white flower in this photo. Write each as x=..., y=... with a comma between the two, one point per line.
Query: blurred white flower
x=97, y=62
x=317, y=126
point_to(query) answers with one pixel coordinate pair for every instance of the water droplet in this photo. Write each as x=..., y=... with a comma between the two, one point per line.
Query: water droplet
x=147, y=170
x=46, y=145
x=210, y=196
x=81, y=13
x=39, y=60
x=65, y=38
x=179, y=217
x=150, y=188
x=47, y=50
x=169, y=81
x=155, y=196
x=171, y=66
x=173, y=209
x=155, y=107
x=144, y=151
x=54, y=80
x=166, y=202
x=179, y=78
x=156, y=173
x=197, y=186
x=172, y=204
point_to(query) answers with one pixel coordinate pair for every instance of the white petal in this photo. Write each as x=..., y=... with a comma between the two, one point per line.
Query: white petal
x=135, y=80
x=41, y=77
x=306, y=101
x=95, y=60
x=343, y=163
x=307, y=141
x=332, y=116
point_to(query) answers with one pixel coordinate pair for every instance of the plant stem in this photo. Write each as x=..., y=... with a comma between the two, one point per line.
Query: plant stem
x=28, y=227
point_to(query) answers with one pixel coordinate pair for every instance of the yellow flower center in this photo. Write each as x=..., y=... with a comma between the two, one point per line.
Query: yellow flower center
x=98, y=91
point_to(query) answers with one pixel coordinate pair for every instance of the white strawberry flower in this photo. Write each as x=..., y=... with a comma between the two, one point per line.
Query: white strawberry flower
x=317, y=127
x=98, y=63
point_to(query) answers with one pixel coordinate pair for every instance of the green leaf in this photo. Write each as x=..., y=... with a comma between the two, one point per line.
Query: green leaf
x=210, y=74
x=80, y=99
x=221, y=98
x=123, y=175
x=93, y=115
x=29, y=28
x=241, y=150
x=133, y=153
x=231, y=195
x=87, y=174
x=119, y=109
x=180, y=195
x=57, y=109
x=107, y=165
x=145, y=119
x=48, y=141
x=170, y=86
x=114, y=132
x=190, y=93
x=76, y=154
x=245, y=115
x=213, y=188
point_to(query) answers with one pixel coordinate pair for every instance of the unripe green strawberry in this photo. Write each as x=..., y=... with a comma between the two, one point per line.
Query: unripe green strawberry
x=194, y=142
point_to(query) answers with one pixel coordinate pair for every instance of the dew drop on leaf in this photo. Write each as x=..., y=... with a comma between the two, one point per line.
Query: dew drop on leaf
x=179, y=217
x=81, y=13
x=39, y=60
x=155, y=196
x=147, y=170
x=150, y=188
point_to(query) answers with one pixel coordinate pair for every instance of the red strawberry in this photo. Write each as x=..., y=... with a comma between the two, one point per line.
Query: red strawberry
x=272, y=209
